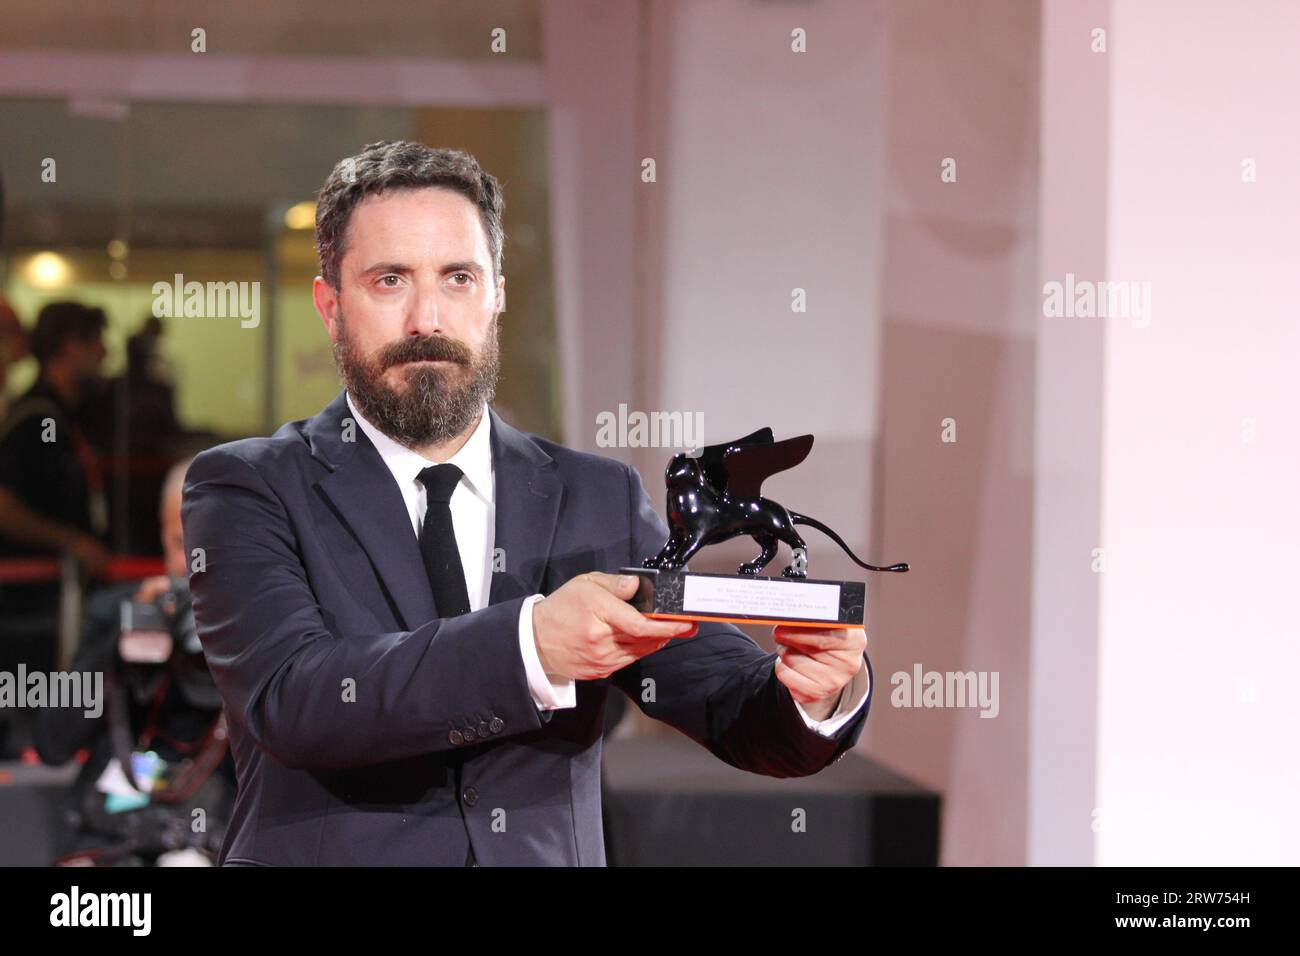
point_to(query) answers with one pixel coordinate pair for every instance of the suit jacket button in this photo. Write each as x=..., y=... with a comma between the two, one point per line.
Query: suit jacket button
x=471, y=796
x=455, y=738
x=483, y=728
x=496, y=725
x=469, y=733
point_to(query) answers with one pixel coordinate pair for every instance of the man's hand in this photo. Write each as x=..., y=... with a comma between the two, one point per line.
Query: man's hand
x=817, y=662
x=586, y=629
x=21, y=523
x=151, y=589
x=90, y=552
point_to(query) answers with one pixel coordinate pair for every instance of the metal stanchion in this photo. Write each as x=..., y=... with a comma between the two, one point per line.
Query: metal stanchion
x=69, y=609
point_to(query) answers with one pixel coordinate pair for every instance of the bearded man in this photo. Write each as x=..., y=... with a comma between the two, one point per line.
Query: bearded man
x=404, y=601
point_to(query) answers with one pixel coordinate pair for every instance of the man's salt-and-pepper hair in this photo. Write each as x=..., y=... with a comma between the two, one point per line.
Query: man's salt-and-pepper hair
x=385, y=166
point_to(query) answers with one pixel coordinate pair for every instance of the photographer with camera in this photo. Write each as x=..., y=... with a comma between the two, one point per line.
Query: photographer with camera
x=159, y=782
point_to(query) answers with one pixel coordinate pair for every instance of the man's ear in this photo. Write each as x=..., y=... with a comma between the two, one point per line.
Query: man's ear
x=326, y=300
x=501, y=294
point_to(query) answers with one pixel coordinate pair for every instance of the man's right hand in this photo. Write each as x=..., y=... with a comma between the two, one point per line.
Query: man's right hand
x=586, y=630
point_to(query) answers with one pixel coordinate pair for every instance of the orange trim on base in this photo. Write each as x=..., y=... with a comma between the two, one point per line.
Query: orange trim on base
x=659, y=616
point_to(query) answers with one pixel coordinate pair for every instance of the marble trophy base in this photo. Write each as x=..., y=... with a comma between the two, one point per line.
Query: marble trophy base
x=688, y=596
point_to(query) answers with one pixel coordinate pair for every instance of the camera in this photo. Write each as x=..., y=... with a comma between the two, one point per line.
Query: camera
x=162, y=634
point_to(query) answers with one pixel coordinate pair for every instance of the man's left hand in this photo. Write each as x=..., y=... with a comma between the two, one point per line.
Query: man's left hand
x=817, y=662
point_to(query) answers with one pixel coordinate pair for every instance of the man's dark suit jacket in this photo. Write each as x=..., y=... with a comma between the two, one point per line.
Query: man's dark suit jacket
x=366, y=730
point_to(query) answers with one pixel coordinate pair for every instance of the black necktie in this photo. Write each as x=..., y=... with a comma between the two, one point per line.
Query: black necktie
x=438, y=542
x=442, y=559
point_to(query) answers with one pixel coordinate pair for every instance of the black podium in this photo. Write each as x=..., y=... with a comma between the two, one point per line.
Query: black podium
x=669, y=802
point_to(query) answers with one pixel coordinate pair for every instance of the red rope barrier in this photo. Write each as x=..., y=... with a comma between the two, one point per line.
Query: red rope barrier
x=49, y=570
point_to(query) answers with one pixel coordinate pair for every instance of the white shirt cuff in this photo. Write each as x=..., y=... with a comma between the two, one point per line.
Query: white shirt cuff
x=547, y=694
x=856, y=690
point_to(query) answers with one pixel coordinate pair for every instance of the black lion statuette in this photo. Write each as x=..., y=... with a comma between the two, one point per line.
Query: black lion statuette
x=714, y=494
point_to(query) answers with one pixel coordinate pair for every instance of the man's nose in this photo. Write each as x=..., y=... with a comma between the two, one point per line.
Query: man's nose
x=423, y=317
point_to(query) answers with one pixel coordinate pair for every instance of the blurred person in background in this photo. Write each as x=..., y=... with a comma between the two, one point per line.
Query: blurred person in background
x=51, y=496
x=162, y=716
x=51, y=493
x=133, y=421
x=13, y=349
x=13, y=338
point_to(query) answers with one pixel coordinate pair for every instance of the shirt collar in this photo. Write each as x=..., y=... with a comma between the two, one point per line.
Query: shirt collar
x=474, y=458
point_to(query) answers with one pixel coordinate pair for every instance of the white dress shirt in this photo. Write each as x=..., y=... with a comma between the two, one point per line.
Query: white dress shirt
x=473, y=518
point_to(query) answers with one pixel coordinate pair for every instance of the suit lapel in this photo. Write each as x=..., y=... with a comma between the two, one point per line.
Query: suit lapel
x=528, y=497
x=361, y=490
x=363, y=493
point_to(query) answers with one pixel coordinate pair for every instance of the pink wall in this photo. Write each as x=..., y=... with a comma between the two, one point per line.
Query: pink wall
x=1068, y=400
x=821, y=171
x=1197, y=743
x=1142, y=716
x=959, y=344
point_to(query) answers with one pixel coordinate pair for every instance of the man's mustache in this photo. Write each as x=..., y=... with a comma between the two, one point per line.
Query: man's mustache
x=427, y=348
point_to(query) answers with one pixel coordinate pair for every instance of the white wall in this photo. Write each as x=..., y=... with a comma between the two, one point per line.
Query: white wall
x=769, y=173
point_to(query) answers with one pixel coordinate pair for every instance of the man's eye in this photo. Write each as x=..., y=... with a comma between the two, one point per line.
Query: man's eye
x=383, y=280
x=465, y=274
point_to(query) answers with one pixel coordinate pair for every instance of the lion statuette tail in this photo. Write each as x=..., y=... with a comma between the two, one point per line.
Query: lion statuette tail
x=813, y=522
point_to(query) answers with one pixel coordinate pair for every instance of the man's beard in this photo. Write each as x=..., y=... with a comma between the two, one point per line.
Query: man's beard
x=435, y=405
